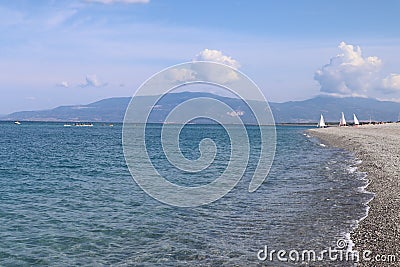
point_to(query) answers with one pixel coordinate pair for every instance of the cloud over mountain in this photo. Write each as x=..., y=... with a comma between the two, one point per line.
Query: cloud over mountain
x=350, y=73
x=92, y=81
x=218, y=73
x=216, y=56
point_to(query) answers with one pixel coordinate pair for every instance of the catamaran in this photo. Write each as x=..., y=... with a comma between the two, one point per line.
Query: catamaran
x=356, y=122
x=342, y=121
x=321, y=123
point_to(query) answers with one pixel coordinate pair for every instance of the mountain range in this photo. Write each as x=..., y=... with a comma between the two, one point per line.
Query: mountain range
x=306, y=111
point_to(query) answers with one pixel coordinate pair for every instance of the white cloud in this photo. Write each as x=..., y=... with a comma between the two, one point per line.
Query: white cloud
x=63, y=84
x=92, y=81
x=219, y=73
x=216, y=56
x=392, y=99
x=350, y=73
x=216, y=73
x=391, y=82
x=119, y=1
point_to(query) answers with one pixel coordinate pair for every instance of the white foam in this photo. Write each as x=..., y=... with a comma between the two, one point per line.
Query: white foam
x=350, y=243
x=361, y=189
x=366, y=213
x=352, y=169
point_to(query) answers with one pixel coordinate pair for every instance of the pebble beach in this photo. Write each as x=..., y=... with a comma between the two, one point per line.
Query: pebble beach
x=378, y=146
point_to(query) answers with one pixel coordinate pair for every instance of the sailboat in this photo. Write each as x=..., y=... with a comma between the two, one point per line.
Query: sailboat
x=342, y=121
x=321, y=123
x=356, y=122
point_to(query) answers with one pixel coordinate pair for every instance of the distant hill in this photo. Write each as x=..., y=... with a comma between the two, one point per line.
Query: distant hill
x=113, y=109
x=106, y=110
x=331, y=107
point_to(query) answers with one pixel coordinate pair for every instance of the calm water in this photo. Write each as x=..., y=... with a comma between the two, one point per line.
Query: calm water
x=67, y=198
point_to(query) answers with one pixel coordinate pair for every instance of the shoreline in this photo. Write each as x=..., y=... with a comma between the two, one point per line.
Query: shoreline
x=378, y=147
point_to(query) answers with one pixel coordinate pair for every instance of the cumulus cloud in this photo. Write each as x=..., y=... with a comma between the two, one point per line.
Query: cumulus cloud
x=119, y=1
x=92, y=81
x=216, y=73
x=350, y=73
x=216, y=56
x=63, y=84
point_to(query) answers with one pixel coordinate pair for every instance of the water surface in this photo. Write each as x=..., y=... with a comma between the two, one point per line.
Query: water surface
x=67, y=198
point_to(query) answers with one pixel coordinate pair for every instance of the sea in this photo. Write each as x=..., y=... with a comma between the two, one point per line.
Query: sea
x=67, y=198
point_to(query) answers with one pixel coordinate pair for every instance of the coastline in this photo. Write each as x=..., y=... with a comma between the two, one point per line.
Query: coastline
x=378, y=146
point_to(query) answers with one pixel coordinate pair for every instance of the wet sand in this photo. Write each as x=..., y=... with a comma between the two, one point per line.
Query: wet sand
x=378, y=146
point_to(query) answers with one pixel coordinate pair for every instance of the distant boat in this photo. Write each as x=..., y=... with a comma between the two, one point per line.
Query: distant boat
x=356, y=122
x=67, y=125
x=84, y=124
x=17, y=122
x=321, y=123
x=342, y=121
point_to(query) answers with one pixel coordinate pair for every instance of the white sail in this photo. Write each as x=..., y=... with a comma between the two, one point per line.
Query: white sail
x=321, y=123
x=342, y=120
x=356, y=122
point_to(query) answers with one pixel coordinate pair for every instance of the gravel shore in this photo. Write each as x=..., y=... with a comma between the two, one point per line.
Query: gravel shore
x=378, y=146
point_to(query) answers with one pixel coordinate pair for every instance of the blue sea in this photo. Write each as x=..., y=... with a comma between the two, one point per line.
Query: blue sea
x=67, y=198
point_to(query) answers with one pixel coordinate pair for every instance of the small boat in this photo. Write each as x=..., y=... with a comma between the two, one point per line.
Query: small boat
x=67, y=125
x=17, y=122
x=83, y=124
x=321, y=123
x=356, y=122
x=342, y=121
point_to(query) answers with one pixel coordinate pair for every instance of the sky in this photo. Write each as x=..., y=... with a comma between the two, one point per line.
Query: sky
x=55, y=52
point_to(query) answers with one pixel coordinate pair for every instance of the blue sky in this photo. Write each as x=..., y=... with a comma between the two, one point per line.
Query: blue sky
x=74, y=52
